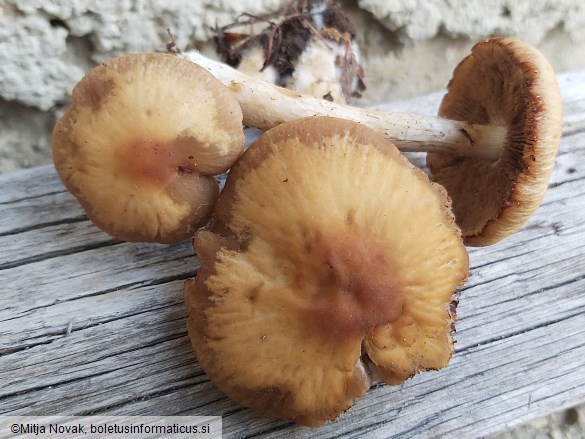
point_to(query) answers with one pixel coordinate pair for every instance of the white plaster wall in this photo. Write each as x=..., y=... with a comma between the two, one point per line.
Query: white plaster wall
x=530, y=20
x=45, y=46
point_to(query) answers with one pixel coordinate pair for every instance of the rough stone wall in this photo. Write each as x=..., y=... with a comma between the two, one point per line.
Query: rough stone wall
x=45, y=47
x=530, y=20
x=409, y=46
x=412, y=46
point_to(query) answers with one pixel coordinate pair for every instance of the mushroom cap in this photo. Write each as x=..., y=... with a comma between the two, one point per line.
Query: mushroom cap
x=329, y=255
x=141, y=141
x=507, y=83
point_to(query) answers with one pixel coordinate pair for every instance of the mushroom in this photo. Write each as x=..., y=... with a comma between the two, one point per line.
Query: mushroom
x=493, y=146
x=141, y=142
x=508, y=83
x=330, y=259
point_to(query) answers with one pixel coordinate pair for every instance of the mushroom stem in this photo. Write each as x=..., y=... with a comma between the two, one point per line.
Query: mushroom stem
x=265, y=106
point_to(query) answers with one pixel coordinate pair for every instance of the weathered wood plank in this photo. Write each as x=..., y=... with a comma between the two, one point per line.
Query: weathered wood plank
x=520, y=333
x=91, y=285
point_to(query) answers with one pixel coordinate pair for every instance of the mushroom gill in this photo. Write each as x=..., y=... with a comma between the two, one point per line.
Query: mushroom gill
x=503, y=82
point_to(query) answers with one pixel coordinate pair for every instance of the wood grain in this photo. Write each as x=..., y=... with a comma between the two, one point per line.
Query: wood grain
x=92, y=325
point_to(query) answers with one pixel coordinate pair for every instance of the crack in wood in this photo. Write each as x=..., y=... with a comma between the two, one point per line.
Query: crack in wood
x=511, y=335
x=109, y=370
x=567, y=133
x=32, y=197
x=38, y=226
x=562, y=183
x=58, y=253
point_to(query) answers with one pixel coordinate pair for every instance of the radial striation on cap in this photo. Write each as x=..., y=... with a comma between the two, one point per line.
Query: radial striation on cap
x=330, y=257
x=141, y=141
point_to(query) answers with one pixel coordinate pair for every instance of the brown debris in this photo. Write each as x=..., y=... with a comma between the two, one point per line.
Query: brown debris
x=285, y=34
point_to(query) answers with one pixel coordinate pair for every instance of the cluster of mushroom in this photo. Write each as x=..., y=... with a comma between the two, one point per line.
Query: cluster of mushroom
x=328, y=260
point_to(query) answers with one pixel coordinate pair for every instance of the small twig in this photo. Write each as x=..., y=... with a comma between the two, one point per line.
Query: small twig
x=271, y=52
x=69, y=328
x=172, y=46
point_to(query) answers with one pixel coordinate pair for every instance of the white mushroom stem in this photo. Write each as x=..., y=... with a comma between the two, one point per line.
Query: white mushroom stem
x=265, y=106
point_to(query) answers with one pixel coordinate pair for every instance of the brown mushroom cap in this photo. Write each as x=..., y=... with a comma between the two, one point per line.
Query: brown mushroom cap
x=141, y=141
x=506, y=83
x=327, y=247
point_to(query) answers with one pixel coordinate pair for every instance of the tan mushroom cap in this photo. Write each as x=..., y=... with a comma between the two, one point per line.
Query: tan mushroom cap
x=141, y=141
x=327, y=247
x=503, y=82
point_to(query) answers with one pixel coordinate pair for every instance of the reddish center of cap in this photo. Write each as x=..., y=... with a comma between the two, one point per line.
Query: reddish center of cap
x=156, y=163
x=354, y=284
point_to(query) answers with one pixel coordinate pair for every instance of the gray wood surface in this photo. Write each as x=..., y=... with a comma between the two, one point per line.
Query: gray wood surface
x=91, y=325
